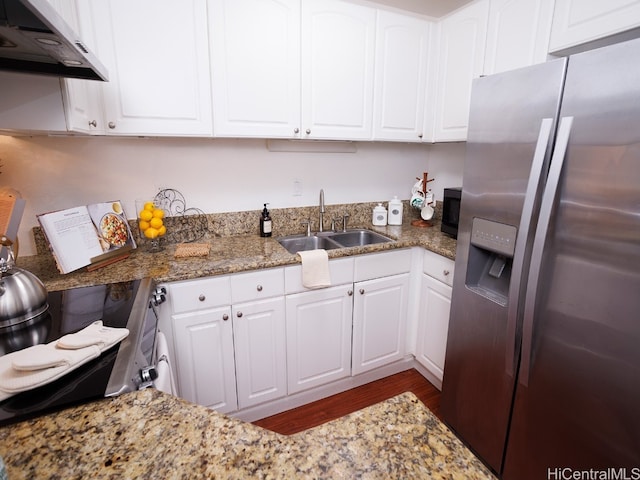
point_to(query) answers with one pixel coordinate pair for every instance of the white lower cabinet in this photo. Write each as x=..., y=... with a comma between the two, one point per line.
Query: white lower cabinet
x=203, y=342
x=379, y=319
x=243, y=341
x=260, y=351
x=435, y=304
x=318, y=336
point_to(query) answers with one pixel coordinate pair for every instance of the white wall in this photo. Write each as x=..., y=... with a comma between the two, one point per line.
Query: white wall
x=230, y=175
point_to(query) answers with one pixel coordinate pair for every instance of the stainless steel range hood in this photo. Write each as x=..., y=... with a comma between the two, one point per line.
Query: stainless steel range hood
x=34, y=38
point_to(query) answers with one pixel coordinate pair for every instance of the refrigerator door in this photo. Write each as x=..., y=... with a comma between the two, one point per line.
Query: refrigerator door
x=578, y=392
x=509, y=142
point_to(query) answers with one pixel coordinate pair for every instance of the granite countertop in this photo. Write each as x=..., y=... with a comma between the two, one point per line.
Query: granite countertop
x=149, y=434
x=228, y=254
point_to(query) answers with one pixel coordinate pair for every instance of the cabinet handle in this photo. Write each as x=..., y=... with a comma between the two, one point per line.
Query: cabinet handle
x=93, y=123
x=308, y=131
x=259, y=288
x=202, y=298
x=445, y=272
x=350, y=293
x=225, y=317
x=296, y=130
x=112, y=125
x=239, y=314
x=362, y=291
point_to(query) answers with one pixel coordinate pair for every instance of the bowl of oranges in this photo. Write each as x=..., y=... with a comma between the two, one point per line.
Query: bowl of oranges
x=151, y=223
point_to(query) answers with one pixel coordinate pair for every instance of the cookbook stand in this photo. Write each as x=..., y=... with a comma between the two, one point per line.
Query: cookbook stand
x=420, y=222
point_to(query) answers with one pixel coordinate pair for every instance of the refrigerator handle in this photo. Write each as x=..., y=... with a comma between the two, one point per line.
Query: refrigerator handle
x=546, y=208
x=531, y=195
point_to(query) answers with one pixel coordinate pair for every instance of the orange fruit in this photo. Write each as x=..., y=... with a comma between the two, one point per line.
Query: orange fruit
x=155, y=222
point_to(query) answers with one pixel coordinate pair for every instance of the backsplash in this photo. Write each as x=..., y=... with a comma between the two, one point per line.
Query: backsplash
x=286, y=221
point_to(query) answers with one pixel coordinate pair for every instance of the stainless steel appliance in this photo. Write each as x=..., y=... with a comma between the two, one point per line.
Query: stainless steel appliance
x=451, y=211
x=34, y=38
x=543, y=354
x=125, y=367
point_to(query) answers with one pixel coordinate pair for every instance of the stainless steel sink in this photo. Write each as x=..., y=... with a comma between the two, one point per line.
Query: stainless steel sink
x=359, y=238
x=330, y=240
x=297, y=243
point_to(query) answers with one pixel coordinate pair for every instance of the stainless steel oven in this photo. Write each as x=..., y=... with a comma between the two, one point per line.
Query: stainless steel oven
x=125, y=367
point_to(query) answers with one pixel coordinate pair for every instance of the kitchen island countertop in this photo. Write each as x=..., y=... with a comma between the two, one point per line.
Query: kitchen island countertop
x=149, y=434
x=228, y=254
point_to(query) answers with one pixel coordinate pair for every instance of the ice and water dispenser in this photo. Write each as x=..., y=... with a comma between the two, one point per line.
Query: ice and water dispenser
x=491, y=259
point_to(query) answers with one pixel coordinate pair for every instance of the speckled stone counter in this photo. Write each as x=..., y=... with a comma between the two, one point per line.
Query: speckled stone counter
x=149, y=434
x=229, y=254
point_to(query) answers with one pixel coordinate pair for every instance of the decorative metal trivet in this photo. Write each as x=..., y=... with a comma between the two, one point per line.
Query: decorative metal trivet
x=183, y=224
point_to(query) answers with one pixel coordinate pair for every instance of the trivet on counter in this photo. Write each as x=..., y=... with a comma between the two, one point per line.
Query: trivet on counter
x=186, y=250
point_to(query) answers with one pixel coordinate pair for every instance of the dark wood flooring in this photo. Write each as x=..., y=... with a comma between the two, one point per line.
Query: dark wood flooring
x=336, y=406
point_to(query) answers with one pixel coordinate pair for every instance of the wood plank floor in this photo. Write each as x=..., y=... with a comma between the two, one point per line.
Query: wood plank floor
x=336, y=406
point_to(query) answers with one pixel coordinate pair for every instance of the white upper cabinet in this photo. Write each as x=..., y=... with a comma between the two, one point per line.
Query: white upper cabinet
x=158, y=62
x=402, y=56
x=517, y=34
x=580, y=21
x=462, y=39
x=338, y=48
x=82, y=98
x=255, y=67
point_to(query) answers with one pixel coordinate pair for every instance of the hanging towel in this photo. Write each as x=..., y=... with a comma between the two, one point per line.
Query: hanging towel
x=165, y=381
x=315, y=268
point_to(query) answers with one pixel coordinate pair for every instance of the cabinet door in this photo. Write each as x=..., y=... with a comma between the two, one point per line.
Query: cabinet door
x=400, y=77
x=433, y=325
x=580, y=21
x=203, y=343
x=82, y=98
x=158, y=64
x=379, y=322
x=462, y=42
x=318, y=337
x=255, y=60
x=259, y=333
x=338, y=43
x=518, y=34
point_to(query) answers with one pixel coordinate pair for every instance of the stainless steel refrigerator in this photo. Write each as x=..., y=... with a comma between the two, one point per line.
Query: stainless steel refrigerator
x=542, y=371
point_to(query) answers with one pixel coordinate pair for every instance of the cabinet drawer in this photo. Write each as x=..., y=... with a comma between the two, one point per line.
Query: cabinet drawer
x=439, y=267
x=378, y=265
x=256, y=285
x=340, y=272
x=198, y=294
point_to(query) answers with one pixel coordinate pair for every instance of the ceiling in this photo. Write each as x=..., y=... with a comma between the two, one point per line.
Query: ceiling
x=432, y=8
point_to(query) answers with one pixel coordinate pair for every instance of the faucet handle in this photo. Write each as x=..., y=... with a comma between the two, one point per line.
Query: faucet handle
x=308, y=224
x=345, y=218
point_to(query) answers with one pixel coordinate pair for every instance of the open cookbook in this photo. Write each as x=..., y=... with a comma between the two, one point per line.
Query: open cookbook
x=88, y=236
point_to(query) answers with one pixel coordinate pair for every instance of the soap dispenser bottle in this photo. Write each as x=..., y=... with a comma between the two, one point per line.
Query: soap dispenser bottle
x=265, y=222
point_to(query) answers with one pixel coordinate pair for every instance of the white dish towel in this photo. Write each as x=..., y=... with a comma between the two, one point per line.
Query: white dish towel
x=315, y=268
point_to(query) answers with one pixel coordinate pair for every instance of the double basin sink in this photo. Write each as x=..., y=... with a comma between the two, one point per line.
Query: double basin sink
x=330, y=240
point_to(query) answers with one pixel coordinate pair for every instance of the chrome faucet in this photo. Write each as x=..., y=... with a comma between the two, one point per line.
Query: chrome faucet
x=321, y=222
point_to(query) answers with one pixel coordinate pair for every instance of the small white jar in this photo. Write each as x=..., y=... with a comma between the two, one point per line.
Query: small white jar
x=379, y=218
x=395, y=211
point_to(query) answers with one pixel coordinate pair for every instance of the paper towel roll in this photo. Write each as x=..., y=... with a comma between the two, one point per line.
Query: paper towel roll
x=165, y=382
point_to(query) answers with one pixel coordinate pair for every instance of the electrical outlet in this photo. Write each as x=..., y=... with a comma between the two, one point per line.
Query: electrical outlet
x=297, y=188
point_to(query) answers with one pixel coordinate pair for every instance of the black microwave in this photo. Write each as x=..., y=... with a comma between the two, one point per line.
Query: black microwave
x=451, y=211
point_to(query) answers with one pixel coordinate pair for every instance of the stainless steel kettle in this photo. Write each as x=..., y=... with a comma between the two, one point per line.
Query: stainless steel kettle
x=22, y=295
